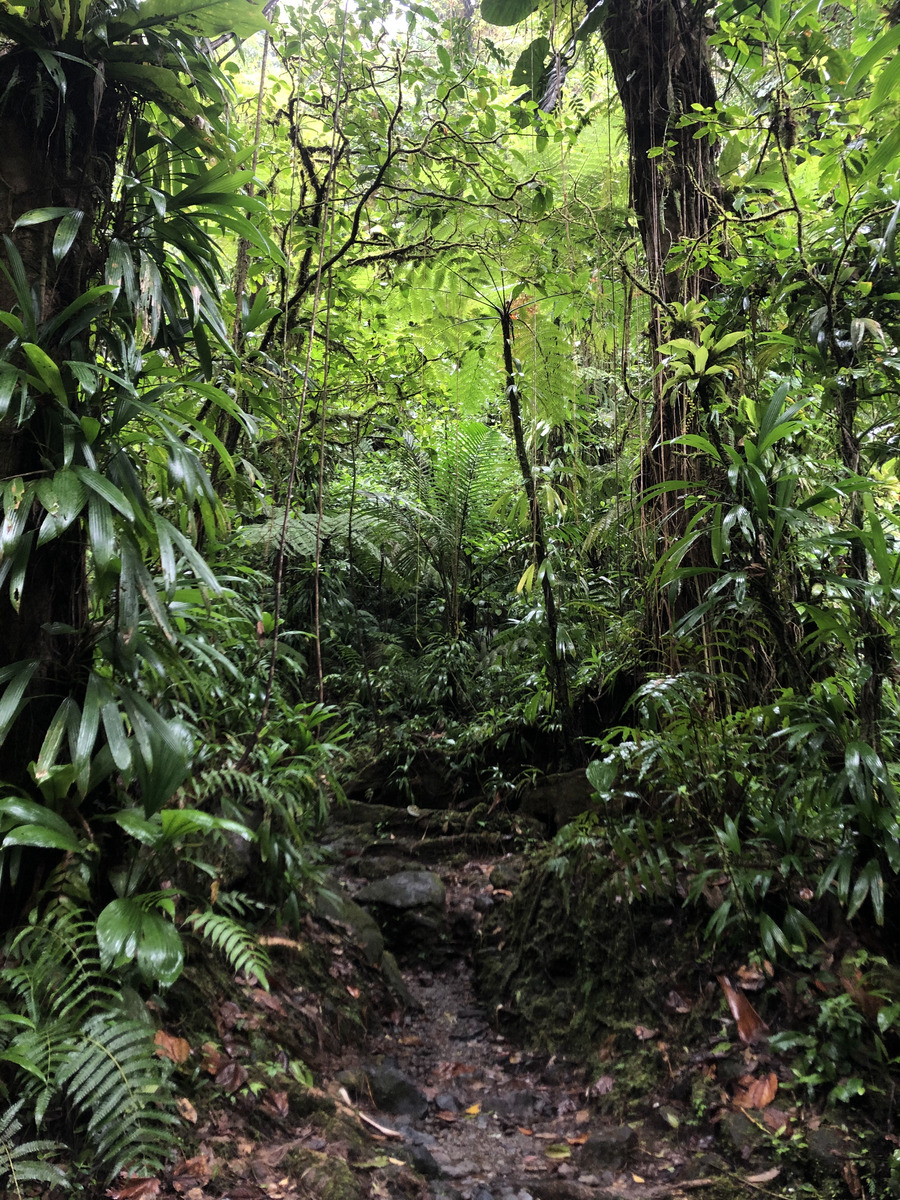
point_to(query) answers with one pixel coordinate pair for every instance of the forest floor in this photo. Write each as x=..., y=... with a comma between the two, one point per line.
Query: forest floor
x=351, y=1080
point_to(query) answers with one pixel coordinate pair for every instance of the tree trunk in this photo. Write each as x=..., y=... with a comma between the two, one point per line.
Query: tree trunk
x=58, y=152
x=660, y=61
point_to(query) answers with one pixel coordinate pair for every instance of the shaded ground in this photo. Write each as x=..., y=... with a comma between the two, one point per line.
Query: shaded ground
x=355, y=1079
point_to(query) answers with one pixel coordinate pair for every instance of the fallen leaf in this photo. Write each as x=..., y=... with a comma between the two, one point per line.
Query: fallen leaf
x=531, y=1162
x=276, y=1103
x=644, y=1033
x=765, y=1177
x=677, y=1002
x=582, y=1116
x=750, y=1092
x=353, y=991
x=775, y=1120
x=186, y=1109
x=267, y=1000
x=473, y=1110
x=178, y=1049
x=637, y=1178
x=558, y=1151
x=444, y=1114
x=602, y=1086
x=851, y=1178
x=397, y=1162
x=577, y=1141
x=135, y=1189
x=213, y=1058
x=231, y=1076
x=525, y=1132
x=750, y=977
x=750, y=1025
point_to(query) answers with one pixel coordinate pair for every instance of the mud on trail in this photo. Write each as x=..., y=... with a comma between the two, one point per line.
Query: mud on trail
x=421, y=1087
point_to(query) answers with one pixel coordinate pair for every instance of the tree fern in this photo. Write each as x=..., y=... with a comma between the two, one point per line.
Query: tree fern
x=236, y=942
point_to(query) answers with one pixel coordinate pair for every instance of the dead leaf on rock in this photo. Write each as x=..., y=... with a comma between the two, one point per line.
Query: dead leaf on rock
x=134, y=1189
x=231, y=1076
x=645, y=1034
x=444, y=1114
x=750, y=1025
x=582, y=1116
x=637, y=1178
x=178, y=1049
x=577, y=1141
x=525, y=1132
x=353, y=991
x=186, y=1109
x=750, y=1092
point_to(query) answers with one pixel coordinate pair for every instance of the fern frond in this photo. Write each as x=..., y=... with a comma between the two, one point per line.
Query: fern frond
x=18, y=1161
x=114, y=1079
x=238, y=944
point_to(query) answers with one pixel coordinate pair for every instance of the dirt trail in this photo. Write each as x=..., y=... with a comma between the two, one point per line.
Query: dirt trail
x=491, y=1122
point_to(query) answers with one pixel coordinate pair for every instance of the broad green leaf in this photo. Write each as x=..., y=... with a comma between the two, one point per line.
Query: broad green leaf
x=507, y=12
x=13, y=697
x=107, y=490
x=42, y=837
x=66, y=233
x=47, y=371
x=530, y=65
x=128, y=929
x=37, y=216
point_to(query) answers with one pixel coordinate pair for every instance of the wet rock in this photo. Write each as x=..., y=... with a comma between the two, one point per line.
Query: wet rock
x=513, y=1104
x=558, y=799
x=381, y=866
x=444, y=1191
x=829, y=1148
x=410, y=907
x=607, y=1148
x=447, y=1102
x=363, y=928
x=422, y=1160
x=482, y=1194
x=394, y=1092
x=405, y=890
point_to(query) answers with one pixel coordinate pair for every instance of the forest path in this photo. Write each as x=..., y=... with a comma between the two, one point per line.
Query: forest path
x=481, y=1118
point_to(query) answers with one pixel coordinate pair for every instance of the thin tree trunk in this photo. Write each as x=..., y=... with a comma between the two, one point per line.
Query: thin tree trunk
x=557, y=665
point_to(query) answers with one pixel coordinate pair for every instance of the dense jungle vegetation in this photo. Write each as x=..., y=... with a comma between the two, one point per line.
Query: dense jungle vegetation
x=407, y=393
